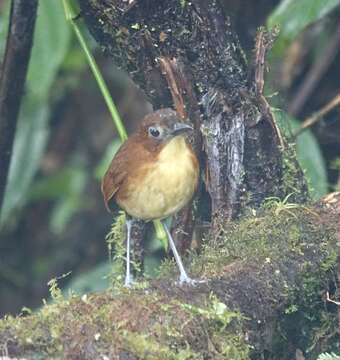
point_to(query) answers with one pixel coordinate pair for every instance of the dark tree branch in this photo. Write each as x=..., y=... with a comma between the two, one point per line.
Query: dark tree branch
x=318, y=115
x=13, y=74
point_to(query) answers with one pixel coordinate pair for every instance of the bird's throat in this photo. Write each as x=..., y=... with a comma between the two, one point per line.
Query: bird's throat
x=168, y=184
x=176, y=149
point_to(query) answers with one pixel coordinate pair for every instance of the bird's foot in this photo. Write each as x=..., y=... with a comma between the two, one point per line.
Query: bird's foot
x=128, y=281
x=185, y=279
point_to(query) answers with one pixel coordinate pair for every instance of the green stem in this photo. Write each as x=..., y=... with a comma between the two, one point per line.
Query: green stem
x=160, y=233
x=71, y=14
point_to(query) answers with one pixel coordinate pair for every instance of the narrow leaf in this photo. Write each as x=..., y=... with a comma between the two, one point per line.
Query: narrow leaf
x=293, y=16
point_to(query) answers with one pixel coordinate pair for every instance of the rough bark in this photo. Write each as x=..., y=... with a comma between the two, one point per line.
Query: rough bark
x=13, y=75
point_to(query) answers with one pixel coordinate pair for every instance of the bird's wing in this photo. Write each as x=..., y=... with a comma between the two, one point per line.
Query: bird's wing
x=124, y=166
x=115, y=175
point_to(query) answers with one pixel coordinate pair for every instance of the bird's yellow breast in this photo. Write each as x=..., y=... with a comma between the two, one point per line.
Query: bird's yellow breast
x=169, y=183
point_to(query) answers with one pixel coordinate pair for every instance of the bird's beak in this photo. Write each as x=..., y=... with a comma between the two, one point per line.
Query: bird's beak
x=180, y=128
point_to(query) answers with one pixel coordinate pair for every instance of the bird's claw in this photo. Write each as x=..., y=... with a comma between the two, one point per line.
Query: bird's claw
x=128, y=283
x=187, y=280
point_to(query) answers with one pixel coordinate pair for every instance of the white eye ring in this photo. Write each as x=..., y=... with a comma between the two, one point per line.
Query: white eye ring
x=154, y=132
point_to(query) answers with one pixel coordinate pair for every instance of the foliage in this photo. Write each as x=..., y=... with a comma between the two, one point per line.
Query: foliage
x=308, y=153
x=51, y=43
x=55, y=291
x=115, y=240
x=294, y=16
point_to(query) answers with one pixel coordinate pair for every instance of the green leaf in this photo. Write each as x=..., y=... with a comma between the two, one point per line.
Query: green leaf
x=308, y=153
x=293, y=16
x=311, y=159
x=51, y=42
x=4, y=19
x=29, y=144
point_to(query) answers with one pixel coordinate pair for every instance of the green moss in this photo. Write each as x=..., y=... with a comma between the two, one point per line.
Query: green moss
x=268, y=236
x=308, y=320
x=145, y=347
x=165, y=322
x=149, y=326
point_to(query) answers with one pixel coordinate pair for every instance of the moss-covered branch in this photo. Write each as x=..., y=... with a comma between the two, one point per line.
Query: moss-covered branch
x=264, y=296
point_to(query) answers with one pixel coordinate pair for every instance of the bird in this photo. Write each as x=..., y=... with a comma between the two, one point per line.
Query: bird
x=152, y=176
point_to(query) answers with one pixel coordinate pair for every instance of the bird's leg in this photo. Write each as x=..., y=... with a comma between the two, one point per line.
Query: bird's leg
x=184, y=278
x=128, y=276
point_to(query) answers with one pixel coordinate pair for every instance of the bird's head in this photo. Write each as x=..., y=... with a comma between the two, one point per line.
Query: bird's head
x=163, y=125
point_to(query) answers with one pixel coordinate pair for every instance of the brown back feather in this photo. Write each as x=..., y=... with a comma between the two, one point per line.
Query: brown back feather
x=135, y=152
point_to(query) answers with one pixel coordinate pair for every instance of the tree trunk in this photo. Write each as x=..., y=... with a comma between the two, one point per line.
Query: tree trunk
x=186, y=55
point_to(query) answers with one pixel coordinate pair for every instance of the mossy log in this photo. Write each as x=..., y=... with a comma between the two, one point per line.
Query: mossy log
x=264, y=297
x=185, y=54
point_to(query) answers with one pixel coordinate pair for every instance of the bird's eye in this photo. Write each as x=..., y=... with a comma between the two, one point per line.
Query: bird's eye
x=154, y=132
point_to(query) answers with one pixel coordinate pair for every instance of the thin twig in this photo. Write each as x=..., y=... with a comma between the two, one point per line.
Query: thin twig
x=315, y=74
x=260, y=53
x=264, y=41
x=13, y=75
x=317, y=116
x=168, y=71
